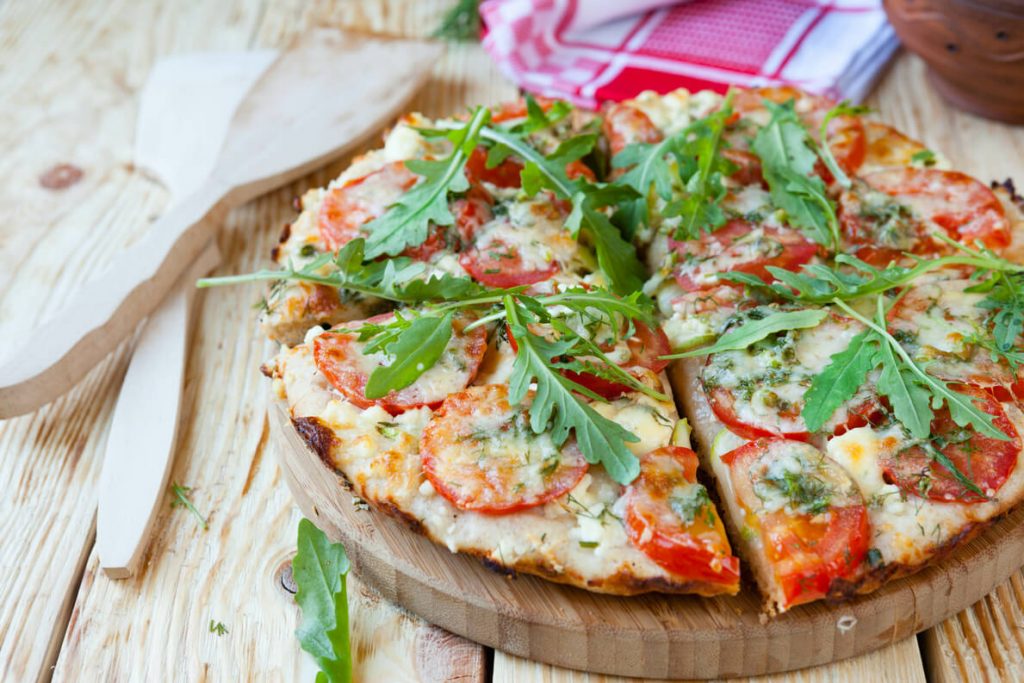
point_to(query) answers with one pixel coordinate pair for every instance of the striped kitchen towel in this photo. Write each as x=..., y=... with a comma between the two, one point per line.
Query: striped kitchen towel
x=589, y=51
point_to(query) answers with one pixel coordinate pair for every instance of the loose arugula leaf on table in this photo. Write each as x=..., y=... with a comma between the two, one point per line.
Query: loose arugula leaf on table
x=556, y=408
x=787, y=163
x=461, y=23
x=407, y=221
x=320, y=568
x=844, y=108
x=754, y=330
x=414, y=351
x=839, y=381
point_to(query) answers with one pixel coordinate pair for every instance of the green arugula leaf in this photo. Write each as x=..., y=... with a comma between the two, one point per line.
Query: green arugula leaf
x=461, y=23
x=616, y=257
x=911, y=402
x=649, y=170
x=839, y=381
x=537, y=119
x=701, y=168
x=406, y=223
x=787, y=163
x=754, y=330
x=415, y=350
x=556, y=408
x=902, y=369
x=844, y=108
x=941, y=458
x=925, y=157
x=320, y=568
x=852, y=278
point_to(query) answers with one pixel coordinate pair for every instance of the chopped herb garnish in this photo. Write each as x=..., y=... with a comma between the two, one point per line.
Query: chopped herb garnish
x=181, y=499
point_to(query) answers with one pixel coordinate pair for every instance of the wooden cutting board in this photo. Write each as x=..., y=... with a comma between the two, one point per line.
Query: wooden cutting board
x=652, y=636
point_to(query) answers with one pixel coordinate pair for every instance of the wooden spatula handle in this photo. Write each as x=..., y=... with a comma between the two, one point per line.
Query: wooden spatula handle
x=106, y=309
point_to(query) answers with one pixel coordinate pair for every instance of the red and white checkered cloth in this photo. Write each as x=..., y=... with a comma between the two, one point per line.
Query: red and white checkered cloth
x=588, y=51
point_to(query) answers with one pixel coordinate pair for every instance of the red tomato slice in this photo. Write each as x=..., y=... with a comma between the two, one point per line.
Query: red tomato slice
x=786, y=489
x=338, y=354
x=347, y=208
x=760, y=391
x=986, y=461
x=846, y=137
x=506, y=174
x=516, y=109
x=625, y=124
x=670, y=518
x=960, y=205
x=748, y=166
x=480, y=453
x=739, y=246
x=472, y=212
x=500, y=264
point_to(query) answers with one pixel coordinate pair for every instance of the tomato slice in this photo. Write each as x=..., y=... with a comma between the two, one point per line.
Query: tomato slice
x=504, y=175
x=937, y=323
x=985, y=461
x=646, y=347
x=347, y=208
x=480, y=453
x=499, y=263
x=670, y=518
x=625, y=124
x=338, y=354
x=739, y=246
x=845, y=134
x=759, y=391
x=472, y=212
x=748, y=167
x=809, y=514
x=917, y=202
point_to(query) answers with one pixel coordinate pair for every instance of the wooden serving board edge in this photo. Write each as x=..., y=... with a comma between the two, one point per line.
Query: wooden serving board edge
x=815, y=634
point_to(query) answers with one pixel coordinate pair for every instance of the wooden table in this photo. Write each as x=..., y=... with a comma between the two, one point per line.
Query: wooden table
x=70, y=72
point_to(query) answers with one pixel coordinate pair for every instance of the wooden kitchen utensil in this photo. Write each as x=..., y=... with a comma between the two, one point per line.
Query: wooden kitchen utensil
x=185, y=109
x=306, y=109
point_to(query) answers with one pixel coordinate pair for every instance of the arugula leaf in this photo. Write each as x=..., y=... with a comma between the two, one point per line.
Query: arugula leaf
x=925, y=157
x=754, y=330
x=941, y=458
x=537, y=119
x=407, y=221
x=839, y=381
x=902, y=370
x=911, y=402
x=844, y=108
x=852, y=278
x=787, y=163
x=319, y=568
x=414, y=350
x=701, y=169
x=461, y=23
x=649, y=169
x=616, y=257
x=1005, y=299
x=557, y=409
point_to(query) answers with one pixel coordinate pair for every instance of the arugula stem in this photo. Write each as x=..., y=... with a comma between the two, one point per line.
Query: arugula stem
x=937, y=387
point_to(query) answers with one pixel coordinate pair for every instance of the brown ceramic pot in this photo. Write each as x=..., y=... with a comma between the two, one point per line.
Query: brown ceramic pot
x=974, y=48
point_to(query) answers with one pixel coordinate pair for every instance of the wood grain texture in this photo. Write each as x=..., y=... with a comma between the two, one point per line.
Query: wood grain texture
x=898, y=663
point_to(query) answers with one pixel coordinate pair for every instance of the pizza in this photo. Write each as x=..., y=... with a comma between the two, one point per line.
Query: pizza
x=688, y=339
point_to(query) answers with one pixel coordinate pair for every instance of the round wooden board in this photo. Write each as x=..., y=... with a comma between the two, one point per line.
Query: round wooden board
x=651, y=636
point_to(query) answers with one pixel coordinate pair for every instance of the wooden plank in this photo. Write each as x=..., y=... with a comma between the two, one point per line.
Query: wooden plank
x=899, y=662
x=80, y=109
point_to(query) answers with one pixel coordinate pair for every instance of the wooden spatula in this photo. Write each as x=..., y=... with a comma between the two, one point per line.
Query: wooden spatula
x=319, y=99
x=185, y=108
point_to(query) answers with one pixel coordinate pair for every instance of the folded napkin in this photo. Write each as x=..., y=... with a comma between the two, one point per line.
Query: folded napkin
x=589, y=51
